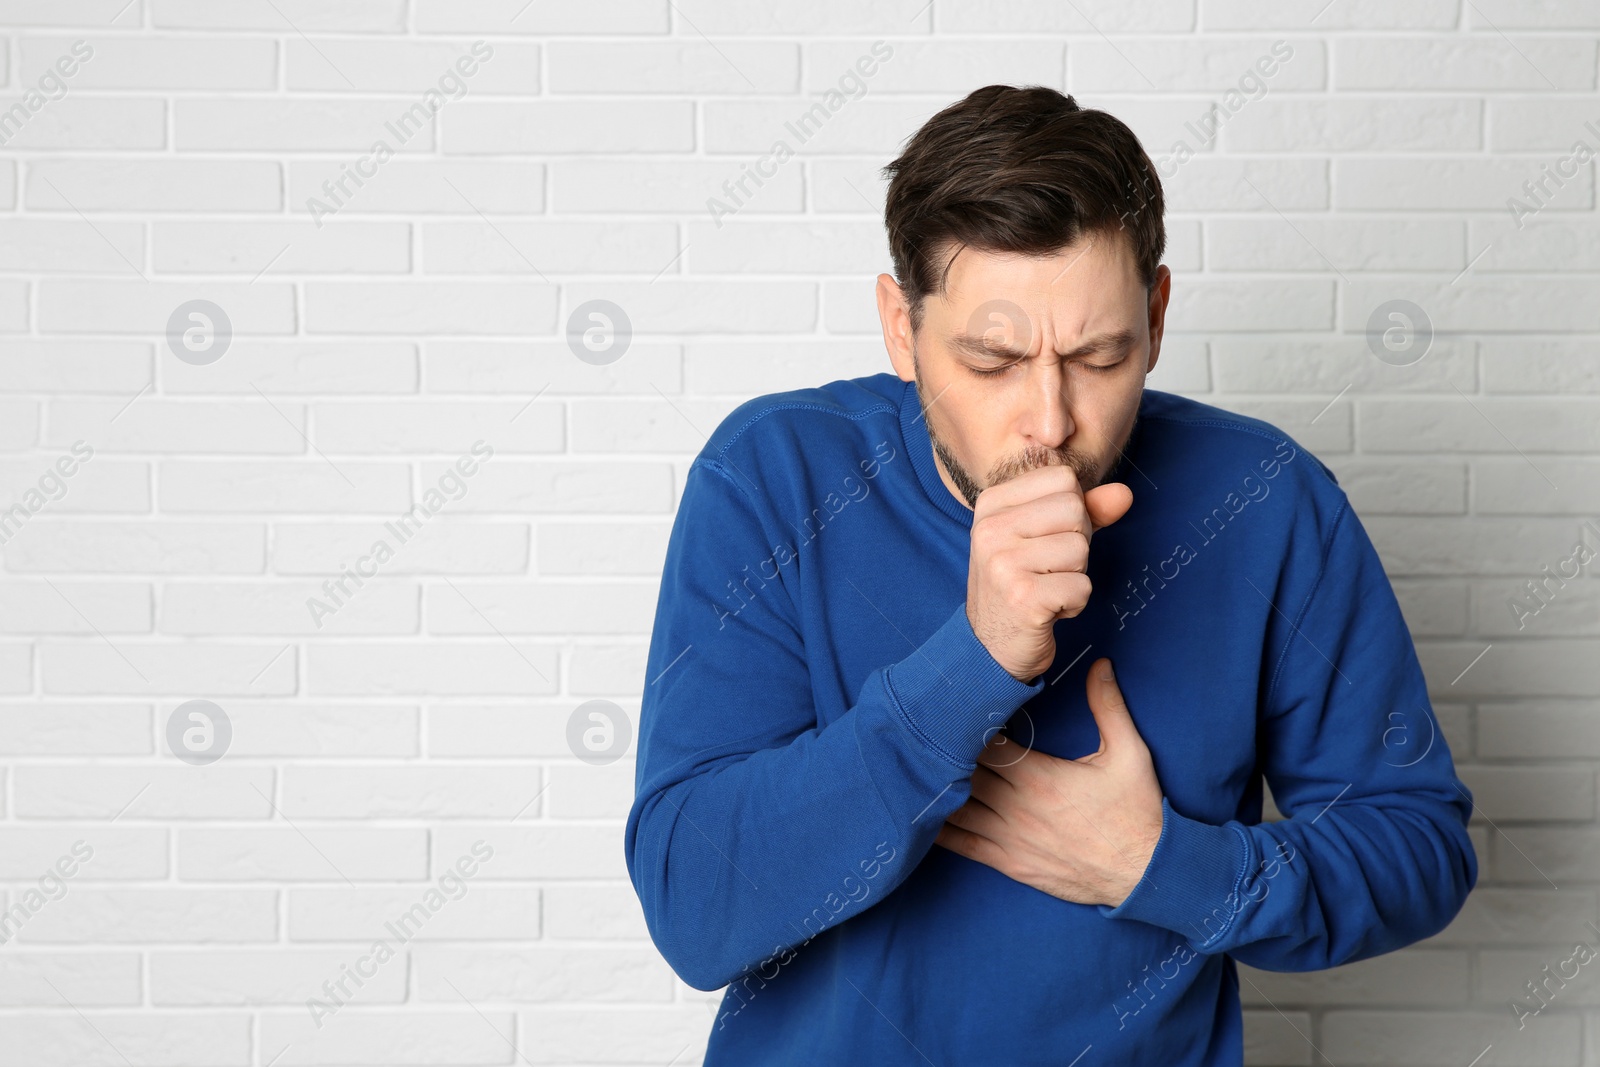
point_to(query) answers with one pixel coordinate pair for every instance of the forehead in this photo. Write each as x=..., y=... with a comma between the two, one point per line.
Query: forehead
x=1088, y=287
x=1095, y=274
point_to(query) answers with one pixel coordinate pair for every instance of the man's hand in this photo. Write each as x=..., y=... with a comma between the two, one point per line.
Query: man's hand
x=1029, y=551
x=1082, y=830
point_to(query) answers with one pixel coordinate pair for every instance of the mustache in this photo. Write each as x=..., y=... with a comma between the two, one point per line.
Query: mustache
x=1039, y=456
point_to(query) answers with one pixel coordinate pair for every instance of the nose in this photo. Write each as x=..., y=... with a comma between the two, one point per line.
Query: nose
x=1050, y=420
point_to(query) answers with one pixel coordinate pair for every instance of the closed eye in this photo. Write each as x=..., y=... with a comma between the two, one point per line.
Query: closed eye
x=1001, y=370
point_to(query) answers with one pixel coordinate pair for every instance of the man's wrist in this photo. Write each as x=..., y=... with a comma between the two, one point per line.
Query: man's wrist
x=1138, y=855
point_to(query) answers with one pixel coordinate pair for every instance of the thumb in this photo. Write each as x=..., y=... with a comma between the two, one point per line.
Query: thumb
x=1110, y=710
x=1107, y=503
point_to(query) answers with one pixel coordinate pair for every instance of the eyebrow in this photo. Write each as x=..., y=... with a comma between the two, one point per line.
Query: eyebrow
x=983, y=348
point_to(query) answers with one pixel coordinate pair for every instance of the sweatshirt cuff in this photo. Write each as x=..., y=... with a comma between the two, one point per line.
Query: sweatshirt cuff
x=1191, y=885
x=953, y=694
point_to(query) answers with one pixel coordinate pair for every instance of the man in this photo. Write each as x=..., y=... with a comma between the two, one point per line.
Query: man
x=890, y=790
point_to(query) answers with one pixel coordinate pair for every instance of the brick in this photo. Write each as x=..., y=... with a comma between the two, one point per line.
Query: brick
x=441, y=546
x=159, y=1041
x=52, y=729
x=554, y=246
x=291, y=367
x=1252, y=67
x=1408, y=16
x=404, y=123
x=650, y=426
x=93, y=853
x=455, y=1034
x=411, y=67
x=147, y=669
x=1323, y=126
x=1413, y=1038
x=1544, y=15
x=1449, y=185
x=486, y=913
x=1039, y=16
x=90, y=979
x=224, y=790
x=96, y=13
x=866, y=67
x=256, y=608
x=256, y=249
x=435, y=307
x=153, y=185
x=69, y=607
x=543, y=974
x=89, y=122
x=118, y=62
x=315, y=484
x=529, y=367
x=85, y=306
x=166, y=915
x=251, y=976
x=478, y=791
x=200, y=426
x=66, y=247
x=548, y=608
x=481, y=667
x=1309, y=365
x=162, y=547
x=460, y=187
x=679, y=67
x=357, y=16
x=488, y=127
x=584, y=186
x=1463, y=62
x=439, y=426
x=516, y=17
x=308, y=854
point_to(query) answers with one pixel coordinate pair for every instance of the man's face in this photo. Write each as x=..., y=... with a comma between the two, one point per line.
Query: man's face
x=1030, y=361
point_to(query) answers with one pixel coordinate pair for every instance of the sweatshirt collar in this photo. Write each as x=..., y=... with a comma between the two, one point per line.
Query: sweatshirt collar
x=915, y=430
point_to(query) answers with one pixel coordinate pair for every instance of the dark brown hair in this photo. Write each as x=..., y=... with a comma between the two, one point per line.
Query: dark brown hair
x=1016, y=169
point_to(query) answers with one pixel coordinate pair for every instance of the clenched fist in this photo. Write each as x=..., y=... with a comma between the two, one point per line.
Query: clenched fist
x=1029, y=553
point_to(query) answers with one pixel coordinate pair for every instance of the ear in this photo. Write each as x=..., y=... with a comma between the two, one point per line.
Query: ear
x=1160, y=294
x=895, y=318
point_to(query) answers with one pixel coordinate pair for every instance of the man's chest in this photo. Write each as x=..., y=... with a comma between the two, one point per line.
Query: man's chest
x=1185, y=628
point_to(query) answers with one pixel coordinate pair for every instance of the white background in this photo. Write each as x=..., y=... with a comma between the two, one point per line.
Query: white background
x=430, y=311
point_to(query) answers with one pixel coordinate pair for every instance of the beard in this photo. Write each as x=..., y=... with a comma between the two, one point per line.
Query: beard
x=1089, y=470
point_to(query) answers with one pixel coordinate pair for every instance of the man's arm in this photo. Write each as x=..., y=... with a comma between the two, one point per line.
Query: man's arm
x=1373, y=854
x=752, y=829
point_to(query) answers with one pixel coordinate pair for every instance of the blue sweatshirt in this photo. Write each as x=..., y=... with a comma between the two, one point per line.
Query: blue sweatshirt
x=815, y=701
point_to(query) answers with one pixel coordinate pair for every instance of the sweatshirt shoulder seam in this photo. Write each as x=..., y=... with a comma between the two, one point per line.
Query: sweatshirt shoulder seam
x=883, y=407
x=758, y=507
x=1240, y=427
x=1305, y=607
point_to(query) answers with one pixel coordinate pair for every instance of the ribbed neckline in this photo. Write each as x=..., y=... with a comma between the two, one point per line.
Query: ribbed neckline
x=915, y=431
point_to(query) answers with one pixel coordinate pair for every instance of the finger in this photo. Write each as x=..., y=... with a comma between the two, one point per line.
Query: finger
x=968, y=844
x=1047, y=514
x=1056, y=478
x=1107, y=503
x=990, y=787
x=1054, y=553
x=1109, y=708
x=978, y=818
x=1000, y=757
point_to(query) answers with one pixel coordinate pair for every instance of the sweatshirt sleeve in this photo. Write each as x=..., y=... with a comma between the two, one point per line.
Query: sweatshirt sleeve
x=752, y=829
x=1373, y=852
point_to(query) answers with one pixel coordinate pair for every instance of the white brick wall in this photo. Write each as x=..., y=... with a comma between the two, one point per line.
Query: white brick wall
x=211, y=150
